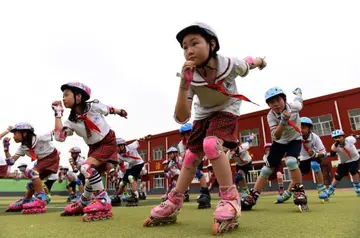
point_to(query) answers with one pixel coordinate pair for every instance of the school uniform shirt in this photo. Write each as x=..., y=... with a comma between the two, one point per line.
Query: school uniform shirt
x=174, y=166
x=42, y=146
x=53, y=176
x=2, y=161
x=79, y=161
x=347, y=153
x=96, y=114
x=71, y=176
x=289, y=133
x=243, y=154
x=182, y=148
x=207, y=100
x=314, y=143
x=131, y=155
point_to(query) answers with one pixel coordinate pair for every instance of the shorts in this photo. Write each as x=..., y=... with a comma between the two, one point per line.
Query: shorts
x=346, y=168
x=245, y=168
x=134, y=171
x=277, y=152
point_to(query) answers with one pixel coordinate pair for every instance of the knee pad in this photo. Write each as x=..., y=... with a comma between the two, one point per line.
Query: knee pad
x=265, y=172
x=122, y=184
x=131, y=178
x=338, y=177
x=291, y=163
x=86, y=169
x=190, y=159
x=315, y=166
x=78, y=182
x=30, y=186
x=279, y=175
x=238, y=178
x=198, y=174
x=212, y=147
x=32, y=174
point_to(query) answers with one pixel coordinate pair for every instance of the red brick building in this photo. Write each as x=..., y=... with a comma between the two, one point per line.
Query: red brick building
x=338, y=110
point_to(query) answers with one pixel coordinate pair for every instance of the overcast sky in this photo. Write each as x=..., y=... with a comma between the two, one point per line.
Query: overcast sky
x=127, y=53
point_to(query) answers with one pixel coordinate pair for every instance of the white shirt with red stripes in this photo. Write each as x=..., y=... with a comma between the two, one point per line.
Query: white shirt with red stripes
x=314, y=143
x=347, y=153
x=131, y=155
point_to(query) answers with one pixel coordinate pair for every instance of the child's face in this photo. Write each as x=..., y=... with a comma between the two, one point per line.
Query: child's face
x=305, y=130
x=18, y=137
x=121, y=148
x=186, y=135
x=340, y=139
x=267, y=150
x=74, y=155
x=195, y=48
x=172, y=155
x=277, y=104
x=68, y=98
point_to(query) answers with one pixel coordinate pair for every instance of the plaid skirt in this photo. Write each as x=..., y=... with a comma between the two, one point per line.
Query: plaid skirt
x=105, y=151
x=48, y=165
x=4, y=170
x=220, y=124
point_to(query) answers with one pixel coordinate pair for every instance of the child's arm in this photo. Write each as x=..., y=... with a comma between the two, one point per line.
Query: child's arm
x=10, y=160
x=4, y=133
x=276, y=131
x=60, y=132
x=185, y=95
x=297, y=104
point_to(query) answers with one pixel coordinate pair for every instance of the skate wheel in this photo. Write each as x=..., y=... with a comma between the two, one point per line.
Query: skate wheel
x=215, y=228
x=147, y=222
x=86, y=218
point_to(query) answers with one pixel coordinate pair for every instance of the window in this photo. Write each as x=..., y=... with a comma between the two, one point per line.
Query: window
x=142, y=154
x=323, y=125
x=354, y=116
x=158, y=153
x=246, y=133
x=158, y=181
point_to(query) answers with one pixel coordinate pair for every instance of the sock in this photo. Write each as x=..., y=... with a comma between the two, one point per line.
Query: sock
x=96, y=181
x=136, y=193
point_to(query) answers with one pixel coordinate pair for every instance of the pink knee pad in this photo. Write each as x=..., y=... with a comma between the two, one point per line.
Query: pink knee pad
x=189, y=160
x=279, y=175
x=212, y=147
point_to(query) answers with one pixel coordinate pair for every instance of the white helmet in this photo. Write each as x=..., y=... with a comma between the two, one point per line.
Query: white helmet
x=120, y=141
x=200, y=28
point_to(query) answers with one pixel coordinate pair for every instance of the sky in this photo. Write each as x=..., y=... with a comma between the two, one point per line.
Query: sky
x=126, y=52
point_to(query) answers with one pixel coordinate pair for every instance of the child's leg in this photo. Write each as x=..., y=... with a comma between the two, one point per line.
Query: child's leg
x=353, y=169
x=339, y=174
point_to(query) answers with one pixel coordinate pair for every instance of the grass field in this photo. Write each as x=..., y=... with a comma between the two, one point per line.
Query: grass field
x=338, y=218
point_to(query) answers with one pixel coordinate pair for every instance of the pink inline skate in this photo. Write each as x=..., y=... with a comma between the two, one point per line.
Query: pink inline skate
x=18, y=205
x=227, y=211
x=74, y=209
x=166, y=212
x=99, y=208
x=34, y=207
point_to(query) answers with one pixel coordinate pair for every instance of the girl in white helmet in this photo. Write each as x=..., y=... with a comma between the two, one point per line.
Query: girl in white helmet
x=87, y=120
x=172, y=166
x=41, y=149
x=211, y=78
x=129, y=154
x=285, y=126
x=243, y=161
x=348, y=155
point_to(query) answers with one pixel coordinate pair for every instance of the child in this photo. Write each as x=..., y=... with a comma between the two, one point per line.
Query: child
x=243, y=161
x=278, y=172
x=312, y=152
x=284, y=122
x=211, y=78
x=144, y=179
x=87, y=120
x=129, y=154
x=38, y=148
x=117, y=175
x=348, y=156
x=172, y=166
x=5, y=165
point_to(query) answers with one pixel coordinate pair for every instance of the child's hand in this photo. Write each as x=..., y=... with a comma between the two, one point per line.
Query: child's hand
x=285, y=116
x=123, y=113
x=187, y=74
x=57, y=108
x=297, y=92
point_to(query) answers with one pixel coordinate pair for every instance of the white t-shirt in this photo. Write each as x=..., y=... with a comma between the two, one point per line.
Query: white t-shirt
x=182, y=148
x=347, y=153
x=209, y=100
x=2, y=161
x=96, y=114
x=53, y=176
x=131, y=155
x=289, y=133
x=312, y=143
x=41, y=145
